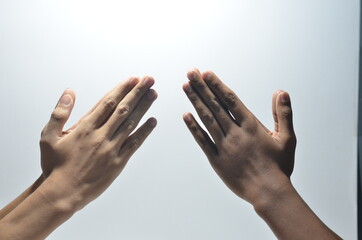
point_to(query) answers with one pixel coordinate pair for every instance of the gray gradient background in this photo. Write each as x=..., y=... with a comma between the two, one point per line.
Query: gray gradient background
x=168, y=190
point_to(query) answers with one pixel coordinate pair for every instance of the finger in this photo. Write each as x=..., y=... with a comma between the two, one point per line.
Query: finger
x=274, y=109
x=200, y=136
x=134, y=141
x=284, y=115
x=94, y=107
x=126, y=126
x=60, y=114
x=224, y=119
x=226, y=96
x=204, y=113
x=128, y=104
x=105, y=108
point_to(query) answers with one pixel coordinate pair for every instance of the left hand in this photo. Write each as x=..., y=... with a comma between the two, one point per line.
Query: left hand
x=82, y=162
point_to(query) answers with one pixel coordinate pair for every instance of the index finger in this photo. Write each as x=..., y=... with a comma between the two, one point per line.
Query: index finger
x=105, y=107
x=89, y=112
x=226, y=96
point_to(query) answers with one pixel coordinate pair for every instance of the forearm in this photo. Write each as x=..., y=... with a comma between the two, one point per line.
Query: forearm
x=38, y=215
x=289, y=217
x=12, y=205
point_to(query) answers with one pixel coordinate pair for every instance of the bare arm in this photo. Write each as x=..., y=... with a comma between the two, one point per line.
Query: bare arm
x=255, y=163
x=79, y=164
x=47, y=168
x=12, y=205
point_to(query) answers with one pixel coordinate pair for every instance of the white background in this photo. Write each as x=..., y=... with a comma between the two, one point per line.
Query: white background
x=168, y=190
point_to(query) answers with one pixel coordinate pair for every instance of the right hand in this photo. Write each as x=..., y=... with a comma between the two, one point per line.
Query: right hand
x=83, y=161
x=250, y=159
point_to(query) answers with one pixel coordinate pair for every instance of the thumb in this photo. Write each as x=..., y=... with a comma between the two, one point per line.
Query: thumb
x=284, y=115
x=60, y=114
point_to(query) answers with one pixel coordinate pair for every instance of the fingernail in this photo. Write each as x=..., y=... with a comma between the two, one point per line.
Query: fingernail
x=284, y=97
x=152, y=122
x=148, y=81
x=65, y=100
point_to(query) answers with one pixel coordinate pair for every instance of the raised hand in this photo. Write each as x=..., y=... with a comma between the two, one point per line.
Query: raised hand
x=85, y=159
x=247, y=156
x=253, y=162
x=80, y=163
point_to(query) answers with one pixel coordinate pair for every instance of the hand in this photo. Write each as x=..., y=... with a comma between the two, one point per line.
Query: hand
x=248, y=157
x=84, y=160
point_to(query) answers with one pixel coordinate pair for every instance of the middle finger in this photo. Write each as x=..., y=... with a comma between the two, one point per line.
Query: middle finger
x=212, y=102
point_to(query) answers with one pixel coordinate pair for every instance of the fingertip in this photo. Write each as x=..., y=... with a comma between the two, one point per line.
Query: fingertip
x=191, y=74
x=155, y=94
x=148, y=80
x=186, y=87
x=277, y=92
x=69, y=91
x=207, y=75
x=152, y=95
x=187, y=117
x=284, y=98
x=67, y=99
x=133, y=81
x=152, y=122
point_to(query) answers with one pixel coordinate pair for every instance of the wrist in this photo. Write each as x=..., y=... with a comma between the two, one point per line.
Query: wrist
x=63, y=197
x=274, y=190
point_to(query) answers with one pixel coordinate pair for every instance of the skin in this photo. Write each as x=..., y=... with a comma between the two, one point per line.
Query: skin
x=253, y=162
x=80, y=163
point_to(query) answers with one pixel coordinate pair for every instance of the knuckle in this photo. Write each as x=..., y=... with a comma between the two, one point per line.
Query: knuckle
x=109, y=104
x=123, y=110
x=142, y=134
x=98, y=143
x=286, y=113
x=58, y=114
x=213, y=83
x=231, y=142
x=291, y=140
x=250, y=126
x=230, y=99
x=194, y=129
x=134, y=144
x=206, y=118
x=193, y=98
x=214, y=105
x=198, y=84
x=251, y=130
x=84, y=132
x=130, y=124
x=44, y=131
x=44, y=142
x=137, y=91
